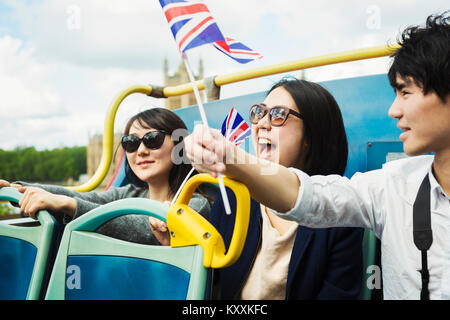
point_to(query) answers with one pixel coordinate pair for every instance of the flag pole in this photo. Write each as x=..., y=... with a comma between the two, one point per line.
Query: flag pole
x=205, y=123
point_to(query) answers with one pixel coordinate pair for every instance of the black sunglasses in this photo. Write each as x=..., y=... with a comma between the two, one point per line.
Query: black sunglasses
x=153, y=140
x=277, y=115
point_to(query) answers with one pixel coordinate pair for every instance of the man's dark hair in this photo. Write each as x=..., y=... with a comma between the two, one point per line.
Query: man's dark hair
x=424, y=56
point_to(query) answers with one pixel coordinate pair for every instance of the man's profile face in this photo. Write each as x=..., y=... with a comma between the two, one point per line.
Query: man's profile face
x=423, y=119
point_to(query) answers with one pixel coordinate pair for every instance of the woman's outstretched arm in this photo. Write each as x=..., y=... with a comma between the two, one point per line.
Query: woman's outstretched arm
x=210, y=152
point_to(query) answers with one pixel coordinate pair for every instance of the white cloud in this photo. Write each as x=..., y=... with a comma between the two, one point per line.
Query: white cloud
x=54, y=104
x=109, y=82
x=25, y=90
x=97, y=33
x=69, y=58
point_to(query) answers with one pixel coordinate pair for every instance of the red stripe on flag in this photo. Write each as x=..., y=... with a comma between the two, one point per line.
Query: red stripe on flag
x=193, y=30
x=180, y=11
x=244, y=52
x=238, y=132
x=223, y=45
x=229, y=118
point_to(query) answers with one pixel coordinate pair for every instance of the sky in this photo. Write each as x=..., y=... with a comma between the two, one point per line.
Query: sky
x=63, y=61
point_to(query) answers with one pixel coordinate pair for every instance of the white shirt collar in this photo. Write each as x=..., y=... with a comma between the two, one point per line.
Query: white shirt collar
x=436, y=189
x=435, y=185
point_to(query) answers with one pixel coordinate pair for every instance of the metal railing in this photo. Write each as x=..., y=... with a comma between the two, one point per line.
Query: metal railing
x=217, y=82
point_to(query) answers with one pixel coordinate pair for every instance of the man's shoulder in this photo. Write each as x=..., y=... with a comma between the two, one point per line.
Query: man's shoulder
x=408, y=172
x=409, y=165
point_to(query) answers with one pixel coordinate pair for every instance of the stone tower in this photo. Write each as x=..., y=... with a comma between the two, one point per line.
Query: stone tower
x=180, y=77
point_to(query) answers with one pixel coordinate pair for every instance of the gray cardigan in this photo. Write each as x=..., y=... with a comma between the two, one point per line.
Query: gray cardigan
x=131, y=227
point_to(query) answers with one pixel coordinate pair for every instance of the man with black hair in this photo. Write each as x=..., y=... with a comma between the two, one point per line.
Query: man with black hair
x=413, y=225
x=407, y=202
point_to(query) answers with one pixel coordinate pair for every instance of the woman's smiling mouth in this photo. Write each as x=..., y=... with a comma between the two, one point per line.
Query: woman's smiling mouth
x=265, y=148
x=145, y=163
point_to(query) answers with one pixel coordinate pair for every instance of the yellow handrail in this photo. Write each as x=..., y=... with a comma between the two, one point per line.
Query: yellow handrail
x=187, y=227
x=328, y=59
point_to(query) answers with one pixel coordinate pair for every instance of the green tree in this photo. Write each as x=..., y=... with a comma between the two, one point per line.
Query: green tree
x=29, y=164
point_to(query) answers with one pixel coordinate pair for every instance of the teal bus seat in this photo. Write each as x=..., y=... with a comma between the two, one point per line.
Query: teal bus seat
x=120, y=278
x=369, y=259
x=25, y=253
x=93, y=266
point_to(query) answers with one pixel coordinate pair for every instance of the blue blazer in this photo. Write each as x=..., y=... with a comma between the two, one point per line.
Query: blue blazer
x=325, y=263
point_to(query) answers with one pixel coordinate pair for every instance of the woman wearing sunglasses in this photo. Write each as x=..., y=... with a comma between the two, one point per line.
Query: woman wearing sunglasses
x=299, y=125
x=148, y=144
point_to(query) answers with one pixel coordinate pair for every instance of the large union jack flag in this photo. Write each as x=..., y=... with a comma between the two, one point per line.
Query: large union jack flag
x=237, y=50
x=191, y=23
x=234, y=128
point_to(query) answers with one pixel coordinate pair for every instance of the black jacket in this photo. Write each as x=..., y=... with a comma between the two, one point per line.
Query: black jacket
x=325, y=263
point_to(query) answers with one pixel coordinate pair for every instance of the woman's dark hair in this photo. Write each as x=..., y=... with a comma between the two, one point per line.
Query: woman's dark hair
x=424, y=55
x=160, y=119
x=327, y=148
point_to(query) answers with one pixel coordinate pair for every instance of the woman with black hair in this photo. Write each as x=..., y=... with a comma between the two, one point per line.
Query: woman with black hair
x=299, y=125
x=148, y=144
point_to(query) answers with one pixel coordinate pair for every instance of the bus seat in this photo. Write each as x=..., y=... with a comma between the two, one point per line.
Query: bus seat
x=27, y=249
x=91, y=266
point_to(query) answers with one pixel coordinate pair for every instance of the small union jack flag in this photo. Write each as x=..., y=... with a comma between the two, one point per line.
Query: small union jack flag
x=234, y=128
x=191, y=23
x=237, y=50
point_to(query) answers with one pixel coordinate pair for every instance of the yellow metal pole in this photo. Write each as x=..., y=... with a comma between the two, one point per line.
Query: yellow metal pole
x=333, y=58
x=183, y=89
x=328, y=59
x=108, y=137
